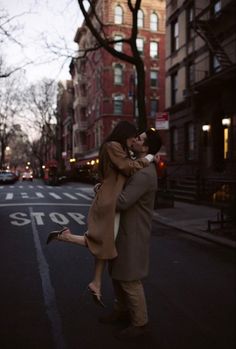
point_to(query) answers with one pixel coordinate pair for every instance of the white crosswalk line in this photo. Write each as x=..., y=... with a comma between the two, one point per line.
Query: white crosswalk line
x=12, y=186
x=31, y=186
x=39, y=195
x=1, y=187
x=40, y=186
x=70, y=196
x=20, y=186
x=54, y=195
x=9, y=196
x=24, y=195
x=84, y=196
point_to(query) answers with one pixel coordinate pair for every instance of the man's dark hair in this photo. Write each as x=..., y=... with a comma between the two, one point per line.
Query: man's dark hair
x=153, y=141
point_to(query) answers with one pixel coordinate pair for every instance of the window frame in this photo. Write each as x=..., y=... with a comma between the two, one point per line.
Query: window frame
x=118, y=74
x=154, y=81
x=154, y=24
x=156, y=55
x=118, y=15
x=140, y=19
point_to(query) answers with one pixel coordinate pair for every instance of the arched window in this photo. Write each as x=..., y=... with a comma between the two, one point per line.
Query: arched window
x=118, y=15
x=140, y=19
x=118, y=74
x=154, y=22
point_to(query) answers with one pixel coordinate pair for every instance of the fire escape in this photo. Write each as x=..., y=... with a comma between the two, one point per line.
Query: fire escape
x=206, y=29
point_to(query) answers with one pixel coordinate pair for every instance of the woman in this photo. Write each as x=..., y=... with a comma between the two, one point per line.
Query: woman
x=115, y=165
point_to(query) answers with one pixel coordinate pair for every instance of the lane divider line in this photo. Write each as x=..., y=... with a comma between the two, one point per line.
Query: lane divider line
x=48, y=290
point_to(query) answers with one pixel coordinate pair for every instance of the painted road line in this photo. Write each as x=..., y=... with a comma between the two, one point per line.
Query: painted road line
x=84, y=196
x=55, y=204
x=1, y=187
x=55, y=196
x=25, y=195
x=40, y=187
x=48, y=290
x=31, y=186
x=70, y=196
x=39, y=195
x=9, y=196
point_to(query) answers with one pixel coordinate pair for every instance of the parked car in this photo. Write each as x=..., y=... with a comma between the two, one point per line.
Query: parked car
x=27, y=176
x=7, y=177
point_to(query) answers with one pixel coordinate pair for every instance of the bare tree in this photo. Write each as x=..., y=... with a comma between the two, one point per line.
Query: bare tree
x=10, y=109
x=40, y=101
x=9, y=28
x=99, y=30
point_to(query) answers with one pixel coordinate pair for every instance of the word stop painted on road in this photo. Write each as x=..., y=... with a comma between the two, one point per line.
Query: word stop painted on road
x=22, y=218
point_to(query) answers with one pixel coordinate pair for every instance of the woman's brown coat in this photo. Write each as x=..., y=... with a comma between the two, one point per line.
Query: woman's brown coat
x=117, y=167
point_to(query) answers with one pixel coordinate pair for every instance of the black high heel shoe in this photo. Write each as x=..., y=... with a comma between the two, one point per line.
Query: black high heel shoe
x=55, y=234
x=96, y=297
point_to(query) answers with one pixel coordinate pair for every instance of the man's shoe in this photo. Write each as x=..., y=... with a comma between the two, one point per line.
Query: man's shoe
x=132, y=332
x=115, y=318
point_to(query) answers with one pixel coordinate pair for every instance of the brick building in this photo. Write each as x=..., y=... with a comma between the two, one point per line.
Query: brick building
x=104, y=86
x=200, y=96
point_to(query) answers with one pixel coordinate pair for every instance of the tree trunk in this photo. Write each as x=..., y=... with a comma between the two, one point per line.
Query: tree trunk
x=141, y=119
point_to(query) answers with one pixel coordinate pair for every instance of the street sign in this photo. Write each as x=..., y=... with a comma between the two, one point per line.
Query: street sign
x=162, y=121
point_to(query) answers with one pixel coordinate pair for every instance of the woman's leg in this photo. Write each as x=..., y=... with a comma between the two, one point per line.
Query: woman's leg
x=75, y=239
x=66, y=236
x=95, y=284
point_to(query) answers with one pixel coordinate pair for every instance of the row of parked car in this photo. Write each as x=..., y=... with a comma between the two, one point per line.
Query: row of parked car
x=8, y=177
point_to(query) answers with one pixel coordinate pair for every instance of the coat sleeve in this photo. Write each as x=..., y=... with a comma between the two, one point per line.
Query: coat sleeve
x=136, y=186
x=122, y=162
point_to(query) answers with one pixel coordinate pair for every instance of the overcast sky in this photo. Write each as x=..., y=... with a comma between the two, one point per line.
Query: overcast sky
x=54, y=21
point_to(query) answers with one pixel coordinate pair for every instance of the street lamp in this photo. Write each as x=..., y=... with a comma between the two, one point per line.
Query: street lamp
x=206, y=128
x=226, y=122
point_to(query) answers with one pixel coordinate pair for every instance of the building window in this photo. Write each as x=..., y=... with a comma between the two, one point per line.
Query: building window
x=174, y=36
x=154, y=108
x=154, y=78
x=119, y=45
x=140, y=19
x=118, y=15
x=118, y=105
x=190, y=75
x=190, y=141
x=189, y=22
x=216, y=65
x=118, y=74
x=174, y=88
x=140, y=45
x=174, y=143
x=154, y=22
x=154, y=49
x=217, y=8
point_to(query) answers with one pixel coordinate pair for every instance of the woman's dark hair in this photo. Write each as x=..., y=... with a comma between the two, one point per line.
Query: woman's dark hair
x=121, y=132
x=153, y=141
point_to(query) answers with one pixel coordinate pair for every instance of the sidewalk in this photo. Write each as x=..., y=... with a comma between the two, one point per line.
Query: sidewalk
x=192, y=219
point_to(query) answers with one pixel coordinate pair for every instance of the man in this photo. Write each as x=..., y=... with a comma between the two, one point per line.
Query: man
x=136, y=204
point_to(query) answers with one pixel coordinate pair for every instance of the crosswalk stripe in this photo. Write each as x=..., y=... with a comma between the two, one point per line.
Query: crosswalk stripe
x=70, y=196
x=84, y=196
x=40, y=186
x=9, y=196
x=24, y=195
x=1, y=187
x=39, y=195
x=55, y=196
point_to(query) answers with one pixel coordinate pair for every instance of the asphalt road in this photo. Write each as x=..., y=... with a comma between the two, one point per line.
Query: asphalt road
x=43, y=293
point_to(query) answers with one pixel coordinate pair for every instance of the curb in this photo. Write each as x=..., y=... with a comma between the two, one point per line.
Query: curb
x=193, y=231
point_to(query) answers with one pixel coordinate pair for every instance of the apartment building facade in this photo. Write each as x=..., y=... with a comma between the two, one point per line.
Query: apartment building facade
x=105, y=86
x=200, y=94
